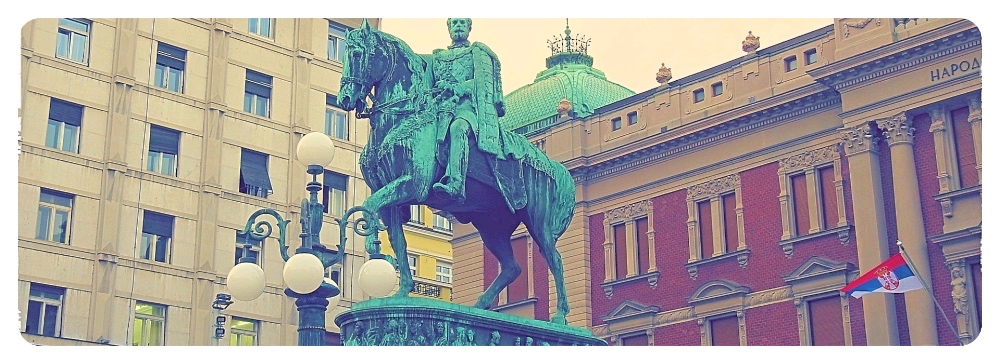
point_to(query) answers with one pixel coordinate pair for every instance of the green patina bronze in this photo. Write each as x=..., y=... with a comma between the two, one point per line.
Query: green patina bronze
x=418, y=321
x=435, y=140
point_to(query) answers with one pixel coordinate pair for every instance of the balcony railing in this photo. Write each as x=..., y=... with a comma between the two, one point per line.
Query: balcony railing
x=426, y=289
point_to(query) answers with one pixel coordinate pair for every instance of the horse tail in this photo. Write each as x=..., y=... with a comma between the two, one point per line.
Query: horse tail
x=563, y=200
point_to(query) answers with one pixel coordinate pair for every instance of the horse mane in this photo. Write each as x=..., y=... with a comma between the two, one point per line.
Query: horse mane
x=414, y=62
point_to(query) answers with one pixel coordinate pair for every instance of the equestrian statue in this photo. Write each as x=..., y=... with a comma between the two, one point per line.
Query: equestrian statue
x=436, y=140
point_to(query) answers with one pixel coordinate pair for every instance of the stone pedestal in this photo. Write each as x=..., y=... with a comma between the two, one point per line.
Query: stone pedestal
x=415, y=321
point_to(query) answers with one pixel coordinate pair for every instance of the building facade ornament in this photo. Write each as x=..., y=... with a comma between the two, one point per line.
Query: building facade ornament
x=809, y=159
x=858, y=139
x=859, y=24
x=564, y=107
x=663, y=75
x=897, y=129
x=751, y=43
x=713, y=187
x=628, y=212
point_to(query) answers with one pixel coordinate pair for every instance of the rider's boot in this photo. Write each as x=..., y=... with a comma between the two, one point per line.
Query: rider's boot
x=453, y=182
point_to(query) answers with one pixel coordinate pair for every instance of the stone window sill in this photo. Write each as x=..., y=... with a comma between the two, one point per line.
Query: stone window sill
x=650, y=277
x=843, y=233
x=741, y=257
x=945, y=199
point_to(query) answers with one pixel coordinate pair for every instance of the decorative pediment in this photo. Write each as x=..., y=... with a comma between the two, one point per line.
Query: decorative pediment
x=809, y=159
x=641, y=208
x=815, y=268
x=714, y=187
x=629, y=309
x=717, y=289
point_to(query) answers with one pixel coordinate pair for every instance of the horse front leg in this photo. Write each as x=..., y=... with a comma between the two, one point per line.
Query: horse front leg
x=383, y=201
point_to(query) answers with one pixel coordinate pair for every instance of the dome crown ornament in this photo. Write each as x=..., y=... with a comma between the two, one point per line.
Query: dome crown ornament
x=751, y=43
x=663, y=75
x=565, y=107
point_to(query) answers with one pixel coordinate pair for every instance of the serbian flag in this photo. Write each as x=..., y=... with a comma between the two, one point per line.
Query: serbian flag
x=892, y=276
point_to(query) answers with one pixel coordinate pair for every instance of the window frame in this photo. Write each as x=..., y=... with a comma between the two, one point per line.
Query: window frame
x=150, y=241
x=251, y=189
x=251, y=99
x=331, y=126
x=717, y=299
x=412, y=260
x=616, y=123
x=54, y=208
x=59, y=138
x=698, y=95
x=147, y=318
x=416, y=215
x=85, y=60
x=334, y=195
x=810, y=56
x=256, y=246
x=156, y=158
x=810, y=163
x=819, y=278
x=439, y=273
x=717, y=89
x=235, y=333
x=334, y=41
x=271, y=22
x=442, y=223
x=633, y=118
x=45, y=302
x=712, y=192
x=163, y=81
x=791, y=63
x=628, y=215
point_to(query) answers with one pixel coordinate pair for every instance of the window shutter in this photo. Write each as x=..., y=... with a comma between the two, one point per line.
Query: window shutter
x=732, y=230
x=621, y=252
x=726, y=331
x=170, y=56
x=636, y=340
x=331, y=100
x=965, y=148
x=157, y=224
x=335, y=180
x=163, y=140
x=642, y=242
x=518, y=289
x=801, y=203
x=258, y=83
x=826, y=323
x=66, y=112
x=253, y=167
x=829, y=194
x=705, y=226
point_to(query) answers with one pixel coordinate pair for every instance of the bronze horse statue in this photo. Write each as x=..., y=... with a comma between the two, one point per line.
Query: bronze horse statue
x=403, y=159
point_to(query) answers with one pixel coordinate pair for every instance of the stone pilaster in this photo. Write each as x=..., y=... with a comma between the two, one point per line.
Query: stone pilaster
x=910, y=226
x=976, y=119
x=866, y=182
x=960, y=299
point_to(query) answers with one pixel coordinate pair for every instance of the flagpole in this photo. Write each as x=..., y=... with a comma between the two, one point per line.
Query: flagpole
x=927, y=288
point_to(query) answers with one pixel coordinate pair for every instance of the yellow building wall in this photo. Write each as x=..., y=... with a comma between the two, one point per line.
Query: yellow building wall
x=430, y=245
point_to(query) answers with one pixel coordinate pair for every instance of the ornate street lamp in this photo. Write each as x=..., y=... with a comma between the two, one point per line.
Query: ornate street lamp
x=304, y=271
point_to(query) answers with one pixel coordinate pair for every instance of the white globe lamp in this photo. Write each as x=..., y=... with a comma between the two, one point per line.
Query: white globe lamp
x=303, y=273
x=377, y=278
x=245, y=281
x=315, y=149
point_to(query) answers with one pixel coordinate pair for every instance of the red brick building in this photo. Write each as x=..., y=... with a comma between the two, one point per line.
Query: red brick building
x=729, y=207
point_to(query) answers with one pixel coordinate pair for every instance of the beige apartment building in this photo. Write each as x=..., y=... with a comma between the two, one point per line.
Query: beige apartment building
x=146, y=144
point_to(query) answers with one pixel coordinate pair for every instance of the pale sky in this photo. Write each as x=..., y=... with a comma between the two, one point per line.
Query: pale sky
x=629, y=51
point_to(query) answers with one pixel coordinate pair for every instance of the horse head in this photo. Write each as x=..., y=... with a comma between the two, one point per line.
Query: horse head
x=362, y=62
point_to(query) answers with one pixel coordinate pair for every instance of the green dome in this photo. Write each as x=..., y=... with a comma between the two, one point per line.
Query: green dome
x=569, y=75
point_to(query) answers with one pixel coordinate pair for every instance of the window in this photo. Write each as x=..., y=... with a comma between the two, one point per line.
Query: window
x=55, y=211
x=633, y=118
x=725, y=331
x=628, y=240
x=417, y=214
x=715, y=222
x=43, y=313
x=63, y=130
x=335, y=123
x=965, y=148
x=163, y=148
x=635, y=340
x=699, y=95
x=616, y=123
x=791, y=63
x=72, y=40
x=412, y=261
x=441, y=222
x=150, y=321
x=263, y=27
x=811, y=57
x=169, y=72
x=826, y=324
x=716, y=89
x=257, y=98
x=157, y=229
x=254, y=179
x=243, y=250
x=811, y=196
x=443, y=272
x=518, y=290
x=334, y=193
x=244, y=332
x=621, y=251
x=336, y=46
